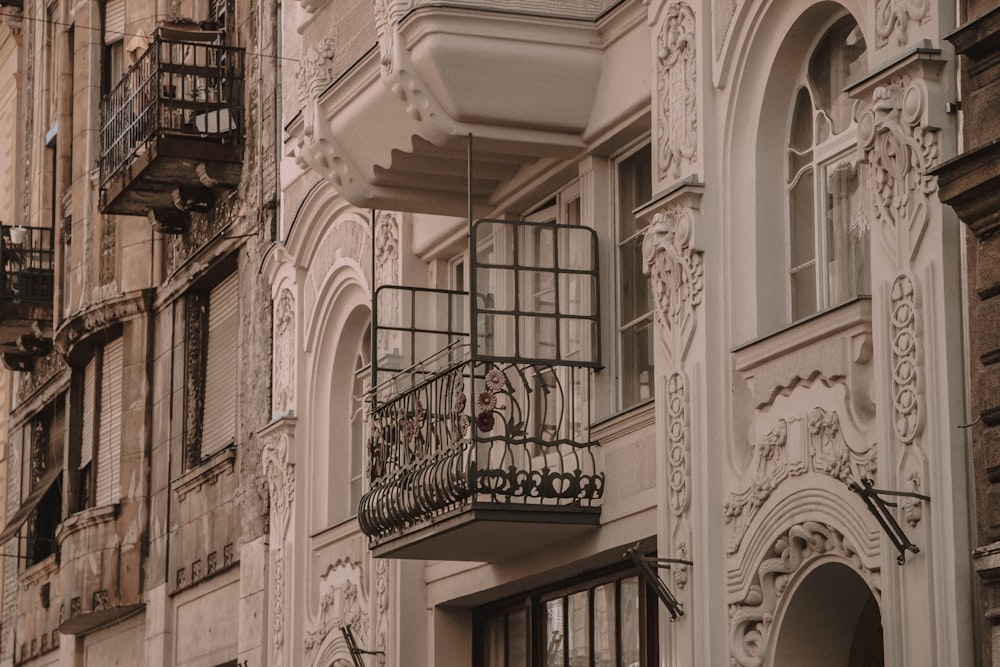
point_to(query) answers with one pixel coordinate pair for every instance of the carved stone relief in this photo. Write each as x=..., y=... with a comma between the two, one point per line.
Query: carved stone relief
x=896, y=152
x=676, y=271
x=904, y=359
x=782, y=453
x=281, y=488
x=678, y=454
x=751, y=619
x=346, y=239
x=677, y=96
x=387, y=14
x=284, y=353
x=894, y=17
x=387, y=269
x=316, y=71
x=343, y=601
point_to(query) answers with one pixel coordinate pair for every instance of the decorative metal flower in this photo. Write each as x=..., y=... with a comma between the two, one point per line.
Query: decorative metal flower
x=485, y=421
x=495, y=380
x=418, y=414
x=459, y=406
x=486, y=400
x=408, y=430
x=464, y=425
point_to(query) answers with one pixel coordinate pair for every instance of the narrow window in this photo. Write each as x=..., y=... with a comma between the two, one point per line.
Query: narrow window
x=219, y=418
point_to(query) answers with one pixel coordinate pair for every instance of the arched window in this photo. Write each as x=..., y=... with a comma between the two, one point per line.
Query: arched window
x=828, y=250
x=359, y=433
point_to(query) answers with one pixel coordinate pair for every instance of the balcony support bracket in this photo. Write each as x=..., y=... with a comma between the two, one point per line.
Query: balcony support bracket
x=352, y=646
x=169, y=221
x=879, y=507
x=647, y=566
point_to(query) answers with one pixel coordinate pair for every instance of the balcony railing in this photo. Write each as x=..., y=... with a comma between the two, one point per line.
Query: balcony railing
x=26, y=255
x=189, y=92
x=497, y=419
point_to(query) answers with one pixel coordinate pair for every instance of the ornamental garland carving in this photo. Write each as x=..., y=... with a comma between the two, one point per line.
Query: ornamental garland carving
x=343, y=601
x=677, y=122
x=904, y=359
x=678, y=449
x=284, y=353
x=894, y=17
x=896, y=152
x=381, y=611
x=281, y=489
x=676, y=271
x=751, y=620
x=387, y=15
x=316, y=71
x=387, y=271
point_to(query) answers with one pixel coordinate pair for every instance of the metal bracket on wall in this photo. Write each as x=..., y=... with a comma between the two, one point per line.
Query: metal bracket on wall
x=352, y=646
x=880, y=508
x=647, y=566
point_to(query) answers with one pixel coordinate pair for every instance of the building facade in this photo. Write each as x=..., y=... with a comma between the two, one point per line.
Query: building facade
x=657, y=312
x=139, y=189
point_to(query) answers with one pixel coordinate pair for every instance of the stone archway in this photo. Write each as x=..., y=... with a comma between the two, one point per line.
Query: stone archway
x=832, y=619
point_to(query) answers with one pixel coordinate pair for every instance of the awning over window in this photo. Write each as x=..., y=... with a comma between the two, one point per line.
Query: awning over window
x=30, y=503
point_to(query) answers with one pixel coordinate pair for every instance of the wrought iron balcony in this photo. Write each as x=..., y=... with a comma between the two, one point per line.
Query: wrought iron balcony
x=172, y=129
x=26, y=288
x=483, y=447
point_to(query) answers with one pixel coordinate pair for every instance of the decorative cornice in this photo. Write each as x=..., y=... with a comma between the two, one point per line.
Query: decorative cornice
x=81, y=326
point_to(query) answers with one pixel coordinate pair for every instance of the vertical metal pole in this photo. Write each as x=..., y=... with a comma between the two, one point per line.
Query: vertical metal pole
x=470, y=262
x=373, y=342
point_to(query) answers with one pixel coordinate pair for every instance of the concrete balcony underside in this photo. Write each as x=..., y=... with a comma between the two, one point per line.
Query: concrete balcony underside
x=392, y=132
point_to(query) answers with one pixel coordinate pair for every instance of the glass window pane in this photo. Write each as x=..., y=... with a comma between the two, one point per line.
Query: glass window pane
x=579, y=629
x=493, y=245
x=493, y=643
x=848, y=255
x=635, y=298
x=575, y=249
x=517, y=642
x=634, y=189
x=834, y=62
x=804, y=292
x=637, y=363
x=555, y=639
x=537, y=247
x=629, y=614
x=495, y=289
x=538, y=292
x=803, y=222
x=538, y=337
x=605, y=613
x=801, y=139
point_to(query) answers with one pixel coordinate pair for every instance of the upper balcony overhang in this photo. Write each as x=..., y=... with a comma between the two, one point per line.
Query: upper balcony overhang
x=393, y=131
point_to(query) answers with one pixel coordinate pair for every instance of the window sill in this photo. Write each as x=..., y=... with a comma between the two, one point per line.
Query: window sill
x=834, y=344
x=624, y=422
x=211, y=469
x=44, y=569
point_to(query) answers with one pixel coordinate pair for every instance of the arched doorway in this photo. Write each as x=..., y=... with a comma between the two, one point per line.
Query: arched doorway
x=831, y=620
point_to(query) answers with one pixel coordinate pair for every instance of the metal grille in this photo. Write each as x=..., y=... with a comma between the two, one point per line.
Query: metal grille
x=26, y=264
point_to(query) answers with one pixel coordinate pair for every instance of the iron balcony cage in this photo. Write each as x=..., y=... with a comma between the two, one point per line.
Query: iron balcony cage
x=184, y=89
x=484, y=396
x=26, y=262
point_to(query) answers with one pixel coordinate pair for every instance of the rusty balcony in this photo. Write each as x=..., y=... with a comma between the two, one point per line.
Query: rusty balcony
x=172, y=129
x=26, y=288
x=483, y=446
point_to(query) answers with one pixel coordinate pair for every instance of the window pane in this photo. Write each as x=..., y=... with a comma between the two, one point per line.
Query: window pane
x=517, y=640
x=847, y=252
x=605, y=612
x=802, y=129
x=579, y=630
x=629, y=614
x=554, y=633
x=804, y=292
x=637, y=363
x=635, y=298
x=802, y=230
x=493, y=643
x=837, y=58
x=634, y=188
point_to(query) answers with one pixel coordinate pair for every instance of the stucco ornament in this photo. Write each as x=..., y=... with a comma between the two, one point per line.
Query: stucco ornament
x=896, y=150
x=281, y=488
x=316, y=70
x=677, y=121
x=284, y=352
x=904, y=359
x=675, y=268
x=387, y=270
x=678, y=487
x=387, y=15
x=751, y=620
x=894, y=17
x=343, y=600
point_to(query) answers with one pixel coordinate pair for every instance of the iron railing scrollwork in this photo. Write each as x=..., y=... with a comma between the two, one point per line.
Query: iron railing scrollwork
x=26, y=263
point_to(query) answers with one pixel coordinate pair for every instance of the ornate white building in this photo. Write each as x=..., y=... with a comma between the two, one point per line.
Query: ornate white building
x=558, y=281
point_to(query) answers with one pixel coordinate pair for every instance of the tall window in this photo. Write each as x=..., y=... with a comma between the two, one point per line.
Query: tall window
x=362, y=381
x=219, y=419
x=113, y=55
x=828, y=251
x=633, y=187
x=101, y=426
x=605, y=621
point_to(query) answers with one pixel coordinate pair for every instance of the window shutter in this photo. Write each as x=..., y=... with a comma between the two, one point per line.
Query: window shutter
x=87, y=434
x=109, y=452
x=219, y=419
x=114, y=21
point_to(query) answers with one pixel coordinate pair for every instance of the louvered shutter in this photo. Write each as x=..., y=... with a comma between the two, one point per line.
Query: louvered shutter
x=219, y=420
x=109, y=452
x=87, y=435
x=114, y=21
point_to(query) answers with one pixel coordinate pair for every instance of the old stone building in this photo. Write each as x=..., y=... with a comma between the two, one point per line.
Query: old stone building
x=658, y=313
x=139, y=190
